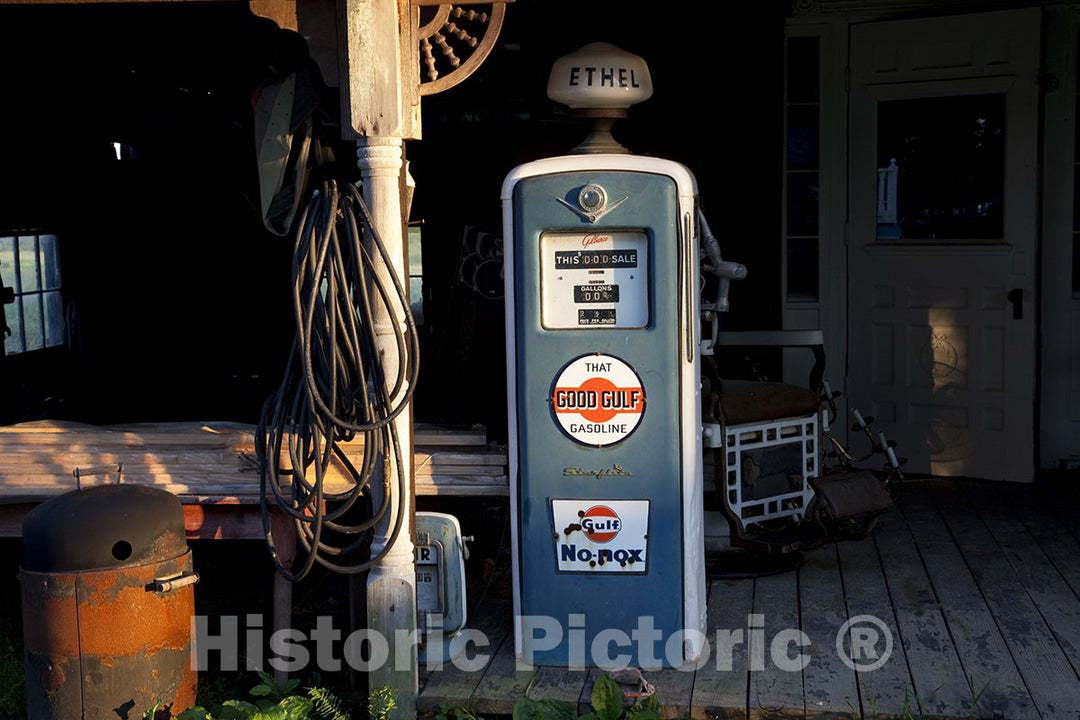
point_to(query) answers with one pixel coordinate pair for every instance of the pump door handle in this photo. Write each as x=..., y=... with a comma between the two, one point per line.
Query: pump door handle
x=689, y=287
x=1016, y=297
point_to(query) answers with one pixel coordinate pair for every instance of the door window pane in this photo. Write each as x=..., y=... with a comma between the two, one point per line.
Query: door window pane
x=54, y=318
x=7, y=260
x=14, y=317
x=802, y=166
x=802, y=137
x=1076, y=265
x=33, y=327
x=1076, y=202
x=28, y=262
x=802, y=269
x=941, y=168
x=50, y=262
x=802, y=70
x=802, y=203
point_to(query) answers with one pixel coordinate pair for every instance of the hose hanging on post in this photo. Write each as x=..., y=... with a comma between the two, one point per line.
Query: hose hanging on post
x=334, y=386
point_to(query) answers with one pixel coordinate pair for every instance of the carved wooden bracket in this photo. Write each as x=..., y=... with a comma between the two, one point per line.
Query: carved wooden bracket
x=454, y=39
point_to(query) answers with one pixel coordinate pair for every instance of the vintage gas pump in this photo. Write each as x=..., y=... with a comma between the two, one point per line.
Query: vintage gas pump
x=604, y=397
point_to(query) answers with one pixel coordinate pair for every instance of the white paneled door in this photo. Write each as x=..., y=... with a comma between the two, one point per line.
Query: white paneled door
x=942, y=238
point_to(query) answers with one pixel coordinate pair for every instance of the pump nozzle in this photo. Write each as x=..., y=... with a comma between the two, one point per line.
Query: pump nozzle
x=725, y=271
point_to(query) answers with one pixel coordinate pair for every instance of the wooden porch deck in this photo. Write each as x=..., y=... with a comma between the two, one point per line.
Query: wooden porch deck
x=978, y=584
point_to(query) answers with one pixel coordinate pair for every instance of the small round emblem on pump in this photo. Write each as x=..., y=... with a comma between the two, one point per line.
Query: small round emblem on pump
x=592, y=198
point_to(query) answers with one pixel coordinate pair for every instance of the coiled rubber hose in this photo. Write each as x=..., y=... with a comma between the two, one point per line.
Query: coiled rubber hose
x=334, y=388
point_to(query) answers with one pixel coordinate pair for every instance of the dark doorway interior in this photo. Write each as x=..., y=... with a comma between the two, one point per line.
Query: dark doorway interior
x=176, y=298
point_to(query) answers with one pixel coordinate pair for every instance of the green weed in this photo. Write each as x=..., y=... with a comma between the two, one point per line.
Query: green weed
x=12, y=673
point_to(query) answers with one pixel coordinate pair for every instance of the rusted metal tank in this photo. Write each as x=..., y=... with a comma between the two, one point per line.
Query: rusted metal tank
x=107, y=597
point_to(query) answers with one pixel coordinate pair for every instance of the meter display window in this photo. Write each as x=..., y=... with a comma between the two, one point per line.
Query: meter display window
x=594, y=280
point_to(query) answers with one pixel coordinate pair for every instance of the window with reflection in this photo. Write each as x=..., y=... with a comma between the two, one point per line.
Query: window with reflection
x=33, y=305
x=941, y=168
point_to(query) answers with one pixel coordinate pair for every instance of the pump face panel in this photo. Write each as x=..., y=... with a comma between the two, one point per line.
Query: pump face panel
x=596, y=280
x=597, y=351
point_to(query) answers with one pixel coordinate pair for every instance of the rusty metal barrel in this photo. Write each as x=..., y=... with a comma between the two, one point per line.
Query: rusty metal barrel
x=108, y=597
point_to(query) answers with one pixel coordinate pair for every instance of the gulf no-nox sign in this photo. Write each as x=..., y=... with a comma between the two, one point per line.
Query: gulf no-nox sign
x=601, y=535
x=597, y=400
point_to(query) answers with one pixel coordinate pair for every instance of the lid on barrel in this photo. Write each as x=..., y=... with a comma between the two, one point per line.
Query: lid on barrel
x=103, y=527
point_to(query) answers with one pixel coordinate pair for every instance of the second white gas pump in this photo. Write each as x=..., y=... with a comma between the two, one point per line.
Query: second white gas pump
x=602, y=306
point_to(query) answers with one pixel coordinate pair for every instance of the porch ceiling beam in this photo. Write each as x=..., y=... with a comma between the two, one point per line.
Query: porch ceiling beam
x=283, y=12
x=423, y=3
x=115, y=2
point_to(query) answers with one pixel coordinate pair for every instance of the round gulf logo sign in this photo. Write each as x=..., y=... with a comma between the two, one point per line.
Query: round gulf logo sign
x=600, y=523
x=597, y=400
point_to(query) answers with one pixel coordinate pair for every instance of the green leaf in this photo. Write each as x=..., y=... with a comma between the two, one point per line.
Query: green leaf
x=444, y=711
x=652, y=702
x=291, y=708
x=607, y=699
x=194, y=713
x=646, y=708
x=327, y=706
x=236, y=710
x=296, y=707
x=261, y=689
x=528, y=709
x=559, y=710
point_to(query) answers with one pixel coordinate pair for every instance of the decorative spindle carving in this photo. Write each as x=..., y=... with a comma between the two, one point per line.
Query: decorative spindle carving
x=464, y=37
x=429, y=59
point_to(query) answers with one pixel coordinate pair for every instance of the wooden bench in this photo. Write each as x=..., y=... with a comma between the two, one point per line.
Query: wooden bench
x=211, y=463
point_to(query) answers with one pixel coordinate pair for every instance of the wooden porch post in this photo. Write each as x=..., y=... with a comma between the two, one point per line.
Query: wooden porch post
x=391, y=585
x=380, y=104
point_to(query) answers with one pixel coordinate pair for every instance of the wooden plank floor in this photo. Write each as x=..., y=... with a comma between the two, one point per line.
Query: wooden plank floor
x=977, y=584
